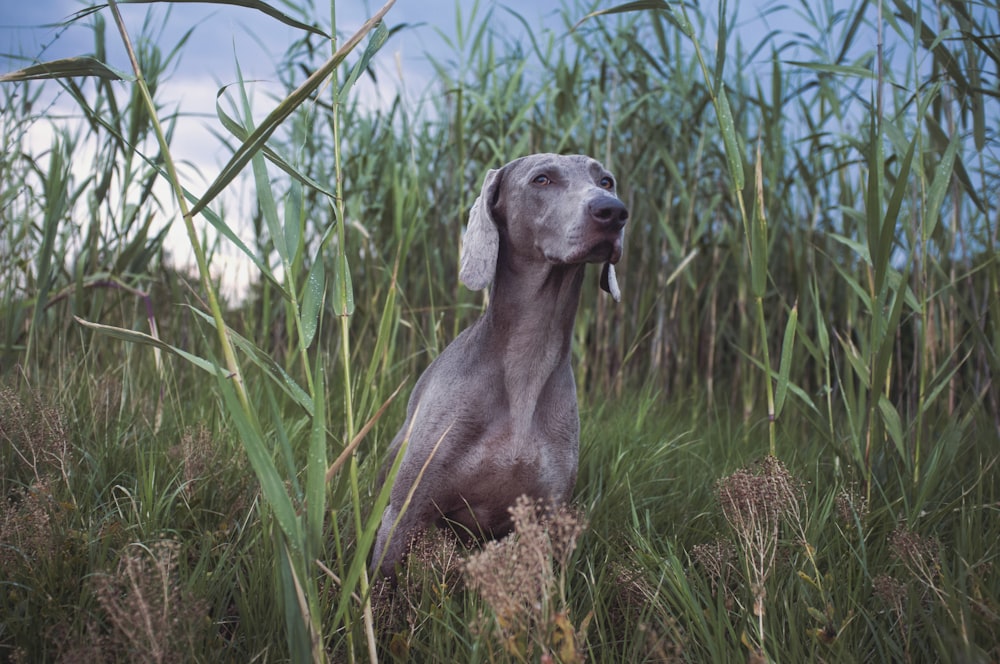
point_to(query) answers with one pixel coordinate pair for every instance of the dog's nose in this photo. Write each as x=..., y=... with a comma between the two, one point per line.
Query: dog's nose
x=609, y=212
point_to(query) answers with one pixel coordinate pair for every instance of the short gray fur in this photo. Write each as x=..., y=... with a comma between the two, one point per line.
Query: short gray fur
x=495, y=415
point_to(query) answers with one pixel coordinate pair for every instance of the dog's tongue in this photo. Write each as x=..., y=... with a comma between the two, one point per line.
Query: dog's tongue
x=609, y=281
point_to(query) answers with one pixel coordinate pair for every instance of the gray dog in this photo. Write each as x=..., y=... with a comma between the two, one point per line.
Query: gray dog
x=495, y=415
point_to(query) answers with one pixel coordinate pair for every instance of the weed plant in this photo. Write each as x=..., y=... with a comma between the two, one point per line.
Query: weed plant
x=790, y=424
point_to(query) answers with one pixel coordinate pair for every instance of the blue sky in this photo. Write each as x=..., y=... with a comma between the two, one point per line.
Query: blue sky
x=27, y=27
x=223, y=34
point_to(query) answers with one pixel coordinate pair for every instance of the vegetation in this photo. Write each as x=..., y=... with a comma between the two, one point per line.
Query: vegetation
x=790, y=424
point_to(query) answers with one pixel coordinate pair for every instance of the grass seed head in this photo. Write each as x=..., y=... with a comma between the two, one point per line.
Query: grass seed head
x=763, y=494
x=919, y=554
x=153, y=618
x=517, y=579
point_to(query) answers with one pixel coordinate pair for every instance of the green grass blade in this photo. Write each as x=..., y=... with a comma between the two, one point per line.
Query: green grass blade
x=893, y=424
x=790, y=386
x=366, y=539
x=294, y=222
x=312, y=300
x=298, y=622
x=262, y=460
x=721, y=44
x=273, y=155
x=734, y=156
x=57, y=206
x=66, y=68
x=837, y=70
x=785, y=365
x=265, y=196
x=256, y=5
x=343, y=288
x=882, y=251
x=377, y=41
x=674, y=13
x=266, y=363
x=939, y=185
x=758, y=235
x=282, y=111
x=886, y=325
x=281, y=425
x=135, y=337
x=316, y=468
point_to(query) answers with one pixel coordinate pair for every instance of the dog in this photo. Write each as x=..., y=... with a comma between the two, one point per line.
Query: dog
x=495, y=416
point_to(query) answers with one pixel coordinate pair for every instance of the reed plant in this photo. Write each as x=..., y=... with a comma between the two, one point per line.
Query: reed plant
x=789, y=424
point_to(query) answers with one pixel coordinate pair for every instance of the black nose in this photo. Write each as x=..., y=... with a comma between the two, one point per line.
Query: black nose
x=609, y=212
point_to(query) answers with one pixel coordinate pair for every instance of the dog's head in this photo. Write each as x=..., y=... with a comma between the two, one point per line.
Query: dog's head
x=560, y=209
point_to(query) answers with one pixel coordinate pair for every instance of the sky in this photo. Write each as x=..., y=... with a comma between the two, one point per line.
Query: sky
x=223, y=35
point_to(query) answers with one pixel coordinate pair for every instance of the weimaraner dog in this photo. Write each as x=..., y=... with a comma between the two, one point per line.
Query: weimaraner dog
x=495, y=415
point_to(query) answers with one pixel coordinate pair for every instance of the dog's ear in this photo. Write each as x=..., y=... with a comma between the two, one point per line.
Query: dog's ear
x=482, y=240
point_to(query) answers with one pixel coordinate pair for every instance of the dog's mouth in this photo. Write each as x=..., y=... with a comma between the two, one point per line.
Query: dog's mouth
x=606, y=251
x=609, y=252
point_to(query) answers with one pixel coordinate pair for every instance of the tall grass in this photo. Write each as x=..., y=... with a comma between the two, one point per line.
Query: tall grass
x=789, y=424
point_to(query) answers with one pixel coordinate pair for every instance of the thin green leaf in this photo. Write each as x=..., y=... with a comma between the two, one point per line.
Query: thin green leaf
x=930, y=41
x=298, y=625
x=132, y=336
x=282, y=111
x=873, y=192
x=316, y=468
x=265, y=362
x=343, y=289
x=261, y=459
x=785, y=365
x=378, y=39
x=858, y=248
x=57, y=205
x=793, y=389
x=758, y=234
x=837, y=70
x=294, y=222
x=893, y=424
x=366, y=539
x=721, y=46
x=734, y=156
x=283, y=428
x=939, y=186
x=275, y=157
x=265, y=196
x=820, y=320
x=942, y=139
x=854, y=359
x=66, y=68
x=312, y=300
x=262, y=7
x=884, y=330
x=882, y=252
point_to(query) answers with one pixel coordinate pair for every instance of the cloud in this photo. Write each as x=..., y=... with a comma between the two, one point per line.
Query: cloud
x=211, y=40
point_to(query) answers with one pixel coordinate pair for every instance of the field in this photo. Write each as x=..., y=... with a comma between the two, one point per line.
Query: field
x=790, y=424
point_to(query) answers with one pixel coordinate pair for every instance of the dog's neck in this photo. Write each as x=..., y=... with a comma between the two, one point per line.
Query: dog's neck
x=535, y=308
x=529, y=321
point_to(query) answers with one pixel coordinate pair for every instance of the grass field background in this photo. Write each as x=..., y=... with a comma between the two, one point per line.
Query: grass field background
x=790, y=424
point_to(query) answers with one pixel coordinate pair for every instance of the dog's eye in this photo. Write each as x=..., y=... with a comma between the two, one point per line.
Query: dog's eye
x=607, y=183
x=542, y=179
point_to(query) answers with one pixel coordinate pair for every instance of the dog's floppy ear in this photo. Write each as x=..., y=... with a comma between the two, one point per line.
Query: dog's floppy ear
x=482, y=240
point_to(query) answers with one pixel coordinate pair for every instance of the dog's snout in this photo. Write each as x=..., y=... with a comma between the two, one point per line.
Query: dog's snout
x=609, y=212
